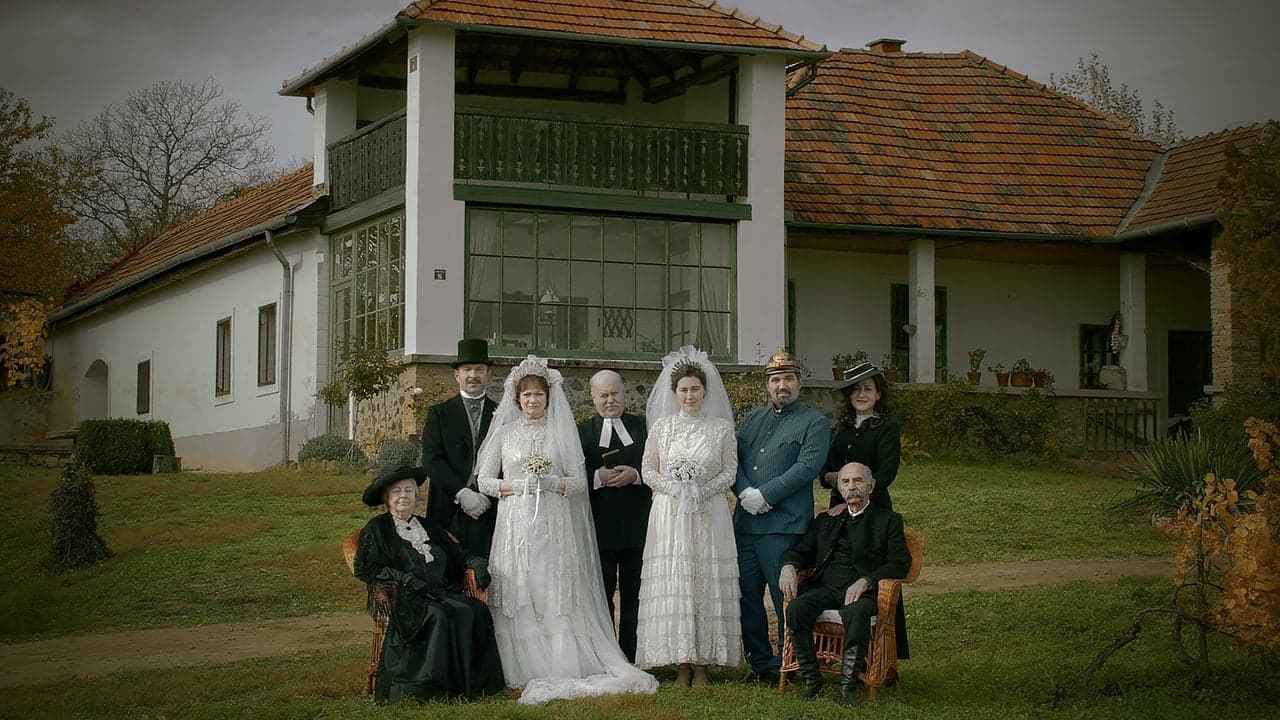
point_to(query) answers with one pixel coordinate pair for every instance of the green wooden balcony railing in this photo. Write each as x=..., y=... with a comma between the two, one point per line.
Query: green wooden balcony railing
x=642, y=158
x=702, y=159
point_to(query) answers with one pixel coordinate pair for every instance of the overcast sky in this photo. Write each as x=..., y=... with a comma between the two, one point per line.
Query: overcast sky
x=1213, y=62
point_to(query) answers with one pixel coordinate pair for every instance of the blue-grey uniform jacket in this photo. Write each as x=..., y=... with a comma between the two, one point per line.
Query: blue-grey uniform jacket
x=781, y=453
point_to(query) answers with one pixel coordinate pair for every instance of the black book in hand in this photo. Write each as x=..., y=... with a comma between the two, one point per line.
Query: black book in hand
x=610, y=458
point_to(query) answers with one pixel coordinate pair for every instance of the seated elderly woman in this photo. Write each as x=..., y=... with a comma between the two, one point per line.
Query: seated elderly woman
x=439, y=642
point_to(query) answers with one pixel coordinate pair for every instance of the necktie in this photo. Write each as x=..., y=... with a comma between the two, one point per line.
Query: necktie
x=473, y=414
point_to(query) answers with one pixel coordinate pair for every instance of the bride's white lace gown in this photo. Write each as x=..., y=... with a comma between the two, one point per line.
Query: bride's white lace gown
x=689, y=592
x=548, y=618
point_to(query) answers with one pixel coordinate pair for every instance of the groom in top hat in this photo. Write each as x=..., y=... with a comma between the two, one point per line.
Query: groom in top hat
x=451, y=437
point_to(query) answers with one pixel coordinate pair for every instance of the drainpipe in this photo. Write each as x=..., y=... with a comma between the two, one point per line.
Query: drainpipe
x=286, y=347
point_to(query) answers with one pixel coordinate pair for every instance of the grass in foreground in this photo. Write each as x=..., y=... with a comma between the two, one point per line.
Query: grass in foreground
x=1012, y=655
x=196, y=549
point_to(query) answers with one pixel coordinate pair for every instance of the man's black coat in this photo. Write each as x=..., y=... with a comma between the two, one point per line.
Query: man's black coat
x=448, y=454
x=882, y=553
x=621, y=514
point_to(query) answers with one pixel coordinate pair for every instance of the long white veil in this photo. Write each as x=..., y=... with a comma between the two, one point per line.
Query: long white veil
x=565, y=450
x=662, y=399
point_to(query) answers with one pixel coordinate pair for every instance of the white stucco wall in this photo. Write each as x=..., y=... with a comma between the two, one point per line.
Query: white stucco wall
x=174, y=327
x=1014, y=311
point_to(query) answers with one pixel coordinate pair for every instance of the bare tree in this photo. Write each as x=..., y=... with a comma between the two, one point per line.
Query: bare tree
x=168, y=152
x=1091, y=84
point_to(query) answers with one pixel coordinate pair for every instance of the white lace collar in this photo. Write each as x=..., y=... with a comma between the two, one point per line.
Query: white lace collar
x=412, y=532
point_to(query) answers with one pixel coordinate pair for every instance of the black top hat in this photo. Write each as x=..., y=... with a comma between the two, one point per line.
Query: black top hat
x=373, y=494
x=472, y=350
x=859, y=372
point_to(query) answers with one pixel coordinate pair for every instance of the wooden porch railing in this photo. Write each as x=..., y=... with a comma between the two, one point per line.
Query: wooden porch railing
x=367, y=163
x=1115, y=427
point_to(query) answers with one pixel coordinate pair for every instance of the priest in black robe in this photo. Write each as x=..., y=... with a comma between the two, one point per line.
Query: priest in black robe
x=613, y=447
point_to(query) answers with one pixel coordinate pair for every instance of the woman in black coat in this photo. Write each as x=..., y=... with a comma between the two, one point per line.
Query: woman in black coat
x=439, y=642
x=864, y=435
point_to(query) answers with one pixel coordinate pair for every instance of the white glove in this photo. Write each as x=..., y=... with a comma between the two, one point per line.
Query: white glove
x=547, y=483
x=787, y=582
x=473, y=503
x=753, y=502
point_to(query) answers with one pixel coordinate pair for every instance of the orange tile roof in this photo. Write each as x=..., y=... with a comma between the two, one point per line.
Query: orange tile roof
x=682, y=21
x=253, y=207
x=1188, y=184
x=955, y=141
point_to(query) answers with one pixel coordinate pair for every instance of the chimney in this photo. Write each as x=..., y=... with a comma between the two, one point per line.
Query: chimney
x=886, y=46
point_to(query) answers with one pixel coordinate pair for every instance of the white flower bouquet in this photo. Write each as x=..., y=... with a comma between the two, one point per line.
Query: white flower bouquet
x=686, y=472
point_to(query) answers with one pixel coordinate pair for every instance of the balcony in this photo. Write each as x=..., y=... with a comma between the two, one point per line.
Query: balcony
x=703, y=160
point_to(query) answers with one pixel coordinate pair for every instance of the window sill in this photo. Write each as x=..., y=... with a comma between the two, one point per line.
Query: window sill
x=223, y=399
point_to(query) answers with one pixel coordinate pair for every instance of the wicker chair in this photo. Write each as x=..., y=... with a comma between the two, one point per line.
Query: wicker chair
x=382, y=599
x=882, y=652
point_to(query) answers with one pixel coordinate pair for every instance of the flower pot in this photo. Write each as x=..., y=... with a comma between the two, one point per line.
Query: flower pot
x=837, y=373
x=975, y=377
x=1002, y=379
x=1020, y=379
x=1113, y=377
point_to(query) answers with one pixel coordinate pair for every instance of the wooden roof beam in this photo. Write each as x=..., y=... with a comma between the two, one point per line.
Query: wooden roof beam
x=709, y=74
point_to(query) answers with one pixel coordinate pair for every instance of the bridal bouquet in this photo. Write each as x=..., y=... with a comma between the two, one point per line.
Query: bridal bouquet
x=536, y=468
x=686, y=472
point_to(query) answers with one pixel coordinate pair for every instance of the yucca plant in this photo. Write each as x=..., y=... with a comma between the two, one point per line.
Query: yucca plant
x=1171, y=472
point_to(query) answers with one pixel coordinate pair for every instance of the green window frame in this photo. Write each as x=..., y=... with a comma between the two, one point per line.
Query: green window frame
x=577, y=284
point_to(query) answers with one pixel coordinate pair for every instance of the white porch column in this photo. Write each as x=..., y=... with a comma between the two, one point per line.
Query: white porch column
x=762, y=254
x=335, y=108
x=922, y=312
x=435, y=223
x=1133, y=319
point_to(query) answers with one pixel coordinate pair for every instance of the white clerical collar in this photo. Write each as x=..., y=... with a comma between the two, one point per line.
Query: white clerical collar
x=611, y=426
x=469, y=396
x=853, y=514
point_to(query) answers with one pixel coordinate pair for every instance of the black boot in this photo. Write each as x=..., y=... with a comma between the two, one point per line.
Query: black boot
x=807, y=659
x=850, y=666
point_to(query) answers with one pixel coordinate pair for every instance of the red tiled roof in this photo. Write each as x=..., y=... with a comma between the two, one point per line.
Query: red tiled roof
x=954, y=141
x=1188, y=184
x=253, y=207
x=684, y=21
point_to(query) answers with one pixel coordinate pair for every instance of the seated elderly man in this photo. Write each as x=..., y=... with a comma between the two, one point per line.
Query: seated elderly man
x=849, y=553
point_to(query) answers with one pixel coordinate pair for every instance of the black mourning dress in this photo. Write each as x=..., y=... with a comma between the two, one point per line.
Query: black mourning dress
x=439, y=642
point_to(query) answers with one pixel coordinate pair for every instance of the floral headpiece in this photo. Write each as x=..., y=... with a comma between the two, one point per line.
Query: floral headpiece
x=534, y=365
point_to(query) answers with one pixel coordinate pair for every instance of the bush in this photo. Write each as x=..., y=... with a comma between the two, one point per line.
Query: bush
x=1171, y=472
x=120, y=447
x=1225, y=417
x=331, y=447
x=395, y=452
x=949, y=420
x=74, y=529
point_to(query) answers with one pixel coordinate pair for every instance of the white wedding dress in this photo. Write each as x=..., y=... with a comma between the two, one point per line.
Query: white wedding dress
x=547, y=597
x=689, y=610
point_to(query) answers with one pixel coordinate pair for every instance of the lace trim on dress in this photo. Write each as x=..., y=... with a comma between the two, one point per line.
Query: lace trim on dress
x=412, y=532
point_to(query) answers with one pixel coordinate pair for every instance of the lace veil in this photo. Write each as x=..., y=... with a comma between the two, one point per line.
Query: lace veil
x=564, y=447
x=662, y=399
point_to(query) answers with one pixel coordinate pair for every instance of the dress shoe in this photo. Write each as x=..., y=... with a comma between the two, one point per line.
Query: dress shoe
x=766, y=677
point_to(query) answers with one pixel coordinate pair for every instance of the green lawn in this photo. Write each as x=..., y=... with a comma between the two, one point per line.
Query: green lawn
x=1015, y=654
x=198, y=548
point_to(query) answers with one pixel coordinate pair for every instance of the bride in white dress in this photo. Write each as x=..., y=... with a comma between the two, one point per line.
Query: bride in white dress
x=689, y=611
x=547, y=595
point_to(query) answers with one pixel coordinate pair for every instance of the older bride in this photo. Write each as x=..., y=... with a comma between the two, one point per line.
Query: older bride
x=547, y=596
x=689, y=585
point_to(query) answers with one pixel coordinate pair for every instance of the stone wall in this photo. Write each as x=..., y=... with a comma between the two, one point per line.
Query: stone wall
x=24, y=416
x=1236, y=353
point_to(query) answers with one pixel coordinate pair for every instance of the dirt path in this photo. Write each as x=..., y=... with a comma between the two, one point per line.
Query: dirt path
x=85, y=656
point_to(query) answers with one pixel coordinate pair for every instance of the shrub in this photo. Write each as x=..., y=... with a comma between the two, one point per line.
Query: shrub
x=1171, y=472
x=118, y=446
x=331, y=447
x=73, y=531
x=1224, y=418
x=395, y=452
x=949, y=420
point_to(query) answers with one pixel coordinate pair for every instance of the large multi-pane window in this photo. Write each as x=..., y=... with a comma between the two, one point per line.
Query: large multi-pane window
x=899, y=317
x=1095, y=352
x=368, y=283
x=599, y=285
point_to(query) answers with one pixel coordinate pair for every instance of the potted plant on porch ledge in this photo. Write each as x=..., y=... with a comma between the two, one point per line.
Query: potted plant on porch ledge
x=1021, y=374
x=975, y=365
x=1001, y=373
x=843, y=361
